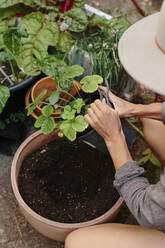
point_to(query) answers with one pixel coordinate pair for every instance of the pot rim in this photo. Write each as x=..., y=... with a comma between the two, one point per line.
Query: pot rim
x=22, y=203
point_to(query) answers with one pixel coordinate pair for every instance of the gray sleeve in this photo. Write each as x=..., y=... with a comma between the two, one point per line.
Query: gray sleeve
x=145, y=201
x=163, y=112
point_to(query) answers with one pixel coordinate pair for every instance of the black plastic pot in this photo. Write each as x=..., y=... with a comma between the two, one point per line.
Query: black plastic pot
x=15, y=103
x=92, y=138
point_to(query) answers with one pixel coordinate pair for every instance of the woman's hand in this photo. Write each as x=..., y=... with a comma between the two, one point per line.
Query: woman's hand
x=104, y=120
x=124, y=108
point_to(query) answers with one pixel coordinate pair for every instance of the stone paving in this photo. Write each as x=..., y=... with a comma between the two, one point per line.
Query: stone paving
x=15, y=232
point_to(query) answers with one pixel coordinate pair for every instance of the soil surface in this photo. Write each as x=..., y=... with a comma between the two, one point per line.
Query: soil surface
x=68, y=182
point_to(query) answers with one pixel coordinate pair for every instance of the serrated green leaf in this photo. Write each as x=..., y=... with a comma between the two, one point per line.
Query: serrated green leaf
x=79, y=124
x=3, y=28
x=54, y=97
x=76, y=19
x=68, y=113
x=39, y=121
x=34, y=48
x=79, y=3
x=65, y=84
x=155, y=161
x=4, y=96
x=68, y=131
x=73, y=71
x=48, y=125
x=47, y=110
x=90, y=83
x=65, y=42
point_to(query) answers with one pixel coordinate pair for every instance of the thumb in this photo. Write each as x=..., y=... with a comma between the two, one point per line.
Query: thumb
x=103, y=89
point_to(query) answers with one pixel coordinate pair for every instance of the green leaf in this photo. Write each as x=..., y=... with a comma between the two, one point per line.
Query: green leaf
x=54, y=97
x=155, y=161
x=4, y=56
x=68, y=131
x=52, y=66
x=77, y=104
x=9, y=12
x=39, y=121
x=65, y=42
x=47, y=110
x=3, y=28
x=8, y=3
x=79, y=124
x=144, y=160
x=65, y=84
x=4, y=96
x=147, y=151
x=76, y=19
x=119, y=23
x=78, y=3
x=68, y=113
x=34, y=104
x=90, y=83
x=34, y=48
x=48, y=125
x=73, y=71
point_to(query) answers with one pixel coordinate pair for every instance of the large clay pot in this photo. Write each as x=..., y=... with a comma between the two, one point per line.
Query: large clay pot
x=51, y=229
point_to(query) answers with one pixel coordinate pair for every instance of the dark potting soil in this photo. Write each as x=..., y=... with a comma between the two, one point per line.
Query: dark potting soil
x=68, y=182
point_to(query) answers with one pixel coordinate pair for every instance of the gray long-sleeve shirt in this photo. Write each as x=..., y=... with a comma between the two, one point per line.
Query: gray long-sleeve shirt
x=145, y=201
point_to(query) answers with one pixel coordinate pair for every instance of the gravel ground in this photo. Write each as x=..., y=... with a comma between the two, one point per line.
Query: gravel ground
x=15, y=232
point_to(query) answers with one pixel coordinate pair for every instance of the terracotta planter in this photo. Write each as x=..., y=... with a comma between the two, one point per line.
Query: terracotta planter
x=48, y=84
x=51, y=229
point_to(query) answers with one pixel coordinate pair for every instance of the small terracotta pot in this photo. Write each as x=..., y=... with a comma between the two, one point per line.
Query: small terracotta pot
x=49, y=84
x=51, y=229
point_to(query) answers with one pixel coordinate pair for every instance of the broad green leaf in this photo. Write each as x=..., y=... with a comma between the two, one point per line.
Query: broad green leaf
x=52, y=66
x=47, y=110
x=73, y=71
x=8, y=3
x=4, y=56
x=39, y=121
x=65, y=42
x=3, y=28
x=4, y=95
x=155, y=161
x=79, y=124
x=76, y=19
x=90, y=83
x=54, y=97
x=41, y=35
x=12, y=40
x=48, y=125
x=68, y=113
x=68, y=131
x=6, y=13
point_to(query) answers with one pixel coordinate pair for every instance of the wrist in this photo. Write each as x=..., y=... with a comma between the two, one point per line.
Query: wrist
x=153, y=110
x=118, y=150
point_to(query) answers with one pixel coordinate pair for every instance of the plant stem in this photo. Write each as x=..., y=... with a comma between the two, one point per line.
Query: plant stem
x=68, y=94
x=135, y=128
x=6, y=76
x=12, y=69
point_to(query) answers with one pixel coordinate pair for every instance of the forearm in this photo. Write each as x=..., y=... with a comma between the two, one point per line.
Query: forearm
x=152, y=111
x=118, y=150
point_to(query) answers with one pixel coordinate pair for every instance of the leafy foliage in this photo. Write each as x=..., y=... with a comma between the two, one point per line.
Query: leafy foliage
x=4, y=95
x=148, y=156
x=90, y=83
